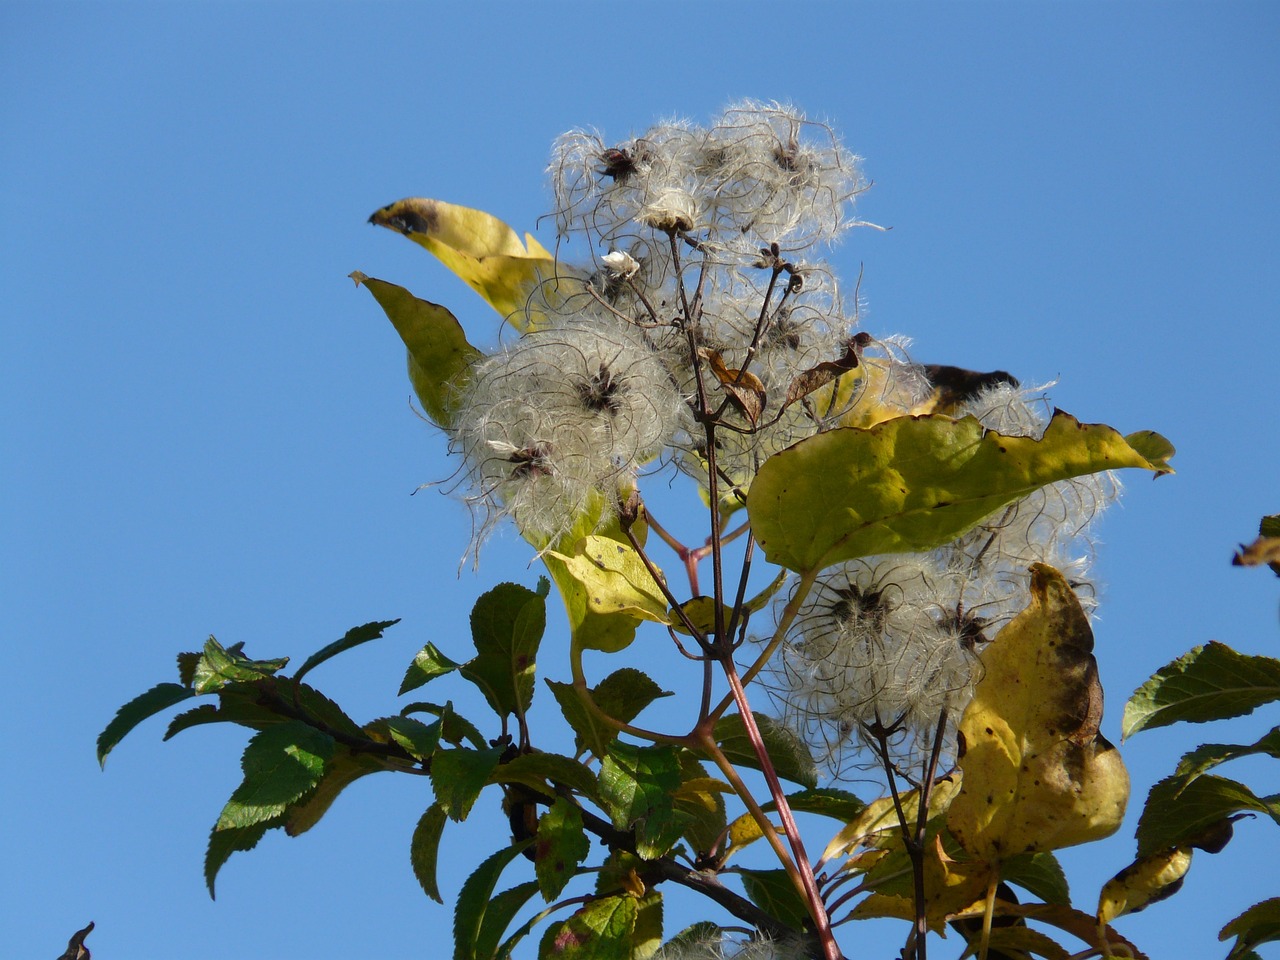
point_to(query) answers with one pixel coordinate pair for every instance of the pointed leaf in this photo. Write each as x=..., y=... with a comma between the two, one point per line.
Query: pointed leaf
x=636, y=789
x=440, y=358
x=499, y=913
x=1039, y=873
x=602, y=930
x=344, y=768
x=1257, y=925
x=159, y=697
x=1178, y=813
x=424, y=850
x=1146, y=881
x=1211, y=682
x=458, y=776
x=788, y=753
x=353, y=638
x=823, y=801
x=219, y=665
x=773, y=892
x=224, y=841
x=1036, y=773
x=561, y=846
x=427, y=665
x=614, y=579
x=622, y=695
x=1209, y=755
x=911, y=484
x=473, y=901
x=479, y=248
x=281, y=764
x=506, y=626
x=454, y=727
x=544, y=772
x=418, y=739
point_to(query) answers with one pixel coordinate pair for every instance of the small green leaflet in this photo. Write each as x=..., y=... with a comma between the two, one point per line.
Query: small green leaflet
x=353, y=638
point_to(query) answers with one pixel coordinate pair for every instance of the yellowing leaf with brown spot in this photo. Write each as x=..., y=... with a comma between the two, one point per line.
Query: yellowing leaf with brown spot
x=486, y=253
x=1037, y=774
x=878, y=824
x=950, y=887
x=1143, y=882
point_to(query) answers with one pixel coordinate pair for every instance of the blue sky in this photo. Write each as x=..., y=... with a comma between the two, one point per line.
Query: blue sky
x=207, y=430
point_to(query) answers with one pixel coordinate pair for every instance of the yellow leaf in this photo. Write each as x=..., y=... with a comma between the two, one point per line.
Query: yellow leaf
x=1037, y=774
x=878, y=824
x=951, y=887
x=1143, y=882
x=615, y=578
x=486, y=253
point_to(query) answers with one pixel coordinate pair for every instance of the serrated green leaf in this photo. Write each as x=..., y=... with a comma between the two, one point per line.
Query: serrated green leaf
x=646, y=936
x=473, y=901
x=502, y=909
x=1257, y=925
x=823, y=801
x=344, y=768
x=455, y=727
x=788, y=753
x=418, y=739
x=562, y=844
x=1177, y=812
x=1209, y=755
x=224, y=841
x=506, y=624
x=911, y=484
x=1039, y=873
x=544, y=771
x=281, y=764
x=427, y=665
x=458, y=776
x=440, y=358
x=424, y=850
x=636, y=789
x=622, y=695
x=187, y=663
x=701, y=800
x=602, y=930
x=1210, y=682
x=773, y=892
x=159, y=697
x=219, y=665
x=353, y=638
x=316, y=706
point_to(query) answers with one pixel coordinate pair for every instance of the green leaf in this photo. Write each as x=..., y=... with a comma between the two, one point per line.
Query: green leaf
x=1257, y=925
x=562, y=844
x=344, y=768
x=425, y=850
x=543, y=772
x=220, y=665
x=427, y=665
x=502, y=909
x=1209, y=755
x=440, y=358
x=473, y=901
x=1210, y=682
x=637, y=785
x=506, y=625
x=224, y=841
x=602, y=930
x=1039, y=873
x=824, y=801
x=622, y=695
x=455, y=728
x=353, y=638
x=646, y=937
x=281, y=764
x=700, y=799
x=458, y=776
x=1178, y=813
x=159, y=697
x=418, y=739
x=237, y=703
x=773, y=892
x=187, y=663
x=791, y=758
x=316, y=706
x=911, y=484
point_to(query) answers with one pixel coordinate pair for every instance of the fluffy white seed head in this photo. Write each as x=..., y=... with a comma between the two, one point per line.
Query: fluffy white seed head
x=559, y=417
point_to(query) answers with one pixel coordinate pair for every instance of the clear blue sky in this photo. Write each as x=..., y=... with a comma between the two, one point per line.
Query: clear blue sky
x=206, y=428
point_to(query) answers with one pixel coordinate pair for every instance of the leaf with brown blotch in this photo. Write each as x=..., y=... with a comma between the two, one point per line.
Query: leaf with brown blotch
x=1037, y=774
x=817, y=377
x=744, y=388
